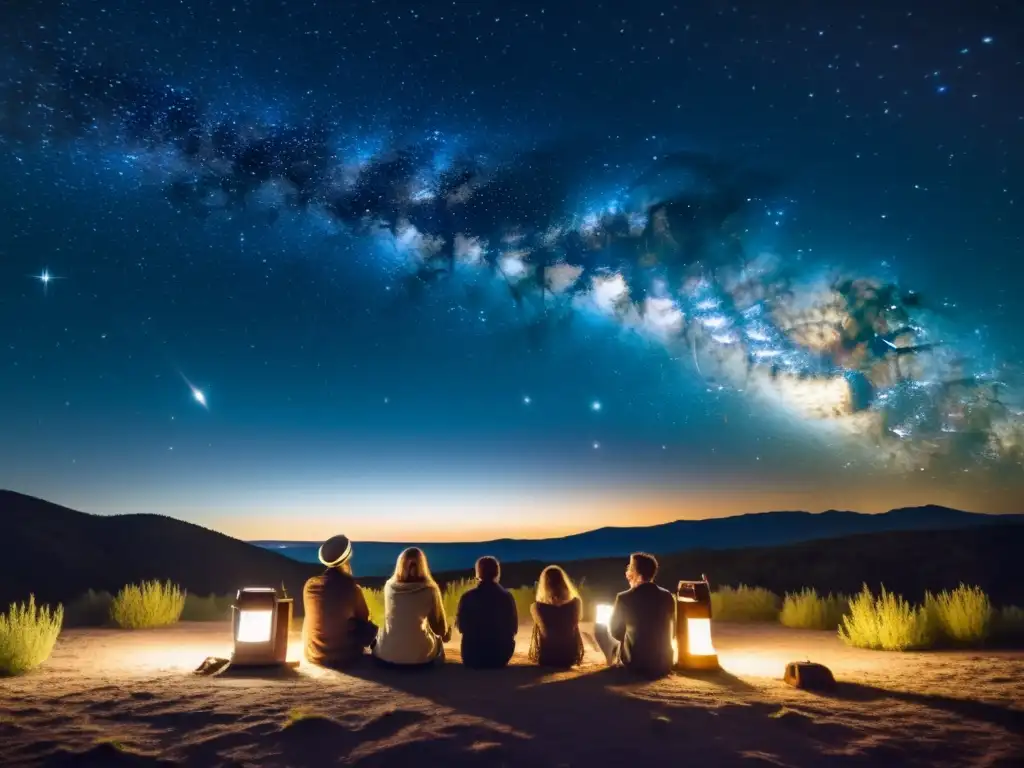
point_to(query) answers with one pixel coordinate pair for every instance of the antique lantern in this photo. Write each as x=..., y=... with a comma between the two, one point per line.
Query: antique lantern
x=260, y=621
x=695, y=650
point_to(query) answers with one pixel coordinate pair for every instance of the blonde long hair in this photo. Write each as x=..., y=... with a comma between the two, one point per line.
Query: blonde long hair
x=554, y=587
x=411, y=567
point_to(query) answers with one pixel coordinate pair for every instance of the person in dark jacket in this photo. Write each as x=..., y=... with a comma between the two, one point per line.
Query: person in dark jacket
x=556, y=613
x=337, y=628
x=642, y=626
x=487, y=619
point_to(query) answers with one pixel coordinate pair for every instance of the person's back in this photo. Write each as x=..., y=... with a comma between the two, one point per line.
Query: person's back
x=336, y=619
x=556, y=635
x=488, y=621
x=414, y=627
x=643, y=620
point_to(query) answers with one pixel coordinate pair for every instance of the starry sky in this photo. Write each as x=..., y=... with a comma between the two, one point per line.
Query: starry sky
x=452, y=270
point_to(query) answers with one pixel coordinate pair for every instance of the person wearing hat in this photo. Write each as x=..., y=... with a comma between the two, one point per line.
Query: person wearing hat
x=337, y=627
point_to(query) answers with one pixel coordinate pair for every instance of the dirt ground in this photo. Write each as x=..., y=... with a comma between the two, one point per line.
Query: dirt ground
x=110, y=697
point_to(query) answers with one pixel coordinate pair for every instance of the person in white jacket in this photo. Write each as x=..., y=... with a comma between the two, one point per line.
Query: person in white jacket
x=415, y=628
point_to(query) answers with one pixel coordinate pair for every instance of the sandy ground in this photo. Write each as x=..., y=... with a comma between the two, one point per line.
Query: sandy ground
x=113, y=698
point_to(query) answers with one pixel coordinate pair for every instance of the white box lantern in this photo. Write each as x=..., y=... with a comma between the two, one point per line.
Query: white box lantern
x=694, y=648
x=261, y=621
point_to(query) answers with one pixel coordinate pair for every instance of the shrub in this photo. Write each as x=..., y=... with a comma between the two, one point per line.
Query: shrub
x=375, y=602
x=453, y=592
x=886, y=623
x=209, y=608
x=90, y=610
x=744, y=603
x=524, y=597
x=807, y=610
x=27, y=635
x=147, y=605
x=963, y=616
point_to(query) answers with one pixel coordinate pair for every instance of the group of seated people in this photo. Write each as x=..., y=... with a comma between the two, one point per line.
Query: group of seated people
x=337, y=630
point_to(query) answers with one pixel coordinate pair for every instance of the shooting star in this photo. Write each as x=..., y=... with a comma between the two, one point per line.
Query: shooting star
x=197, y=394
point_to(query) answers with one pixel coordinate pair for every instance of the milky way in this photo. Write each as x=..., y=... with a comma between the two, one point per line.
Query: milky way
x=668, y=254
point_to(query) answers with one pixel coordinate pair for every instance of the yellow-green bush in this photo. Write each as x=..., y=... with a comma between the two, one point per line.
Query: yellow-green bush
x=524, y=597
x=89, y=610
x=962, y=617
x=375, y=602
x=27, y=635
x=147, y=605
x=453, y=592
x=209, y=608
x=806, y=609
x=887, y=623
x=744, y=603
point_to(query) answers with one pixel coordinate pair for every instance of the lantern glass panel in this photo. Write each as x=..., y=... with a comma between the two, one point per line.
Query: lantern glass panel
x=698, y=634
x=255, y=626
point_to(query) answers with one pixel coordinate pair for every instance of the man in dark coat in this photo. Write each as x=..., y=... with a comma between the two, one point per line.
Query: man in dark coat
x=640, y=632
x=337, y=627
x=487, y=619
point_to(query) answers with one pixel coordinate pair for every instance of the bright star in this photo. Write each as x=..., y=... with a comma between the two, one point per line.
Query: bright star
x=596, y=445
x=199, y=397
x=596, y=405
x=988, y=40
x=45, y=278
x=526, y=400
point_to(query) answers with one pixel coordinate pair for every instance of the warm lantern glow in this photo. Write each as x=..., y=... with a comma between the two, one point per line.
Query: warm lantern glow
x=255, y=626
x=675, y=651
x=698, y=634
x=604, y=614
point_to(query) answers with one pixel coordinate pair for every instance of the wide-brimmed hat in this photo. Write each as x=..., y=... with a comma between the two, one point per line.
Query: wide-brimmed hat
x=335, y=551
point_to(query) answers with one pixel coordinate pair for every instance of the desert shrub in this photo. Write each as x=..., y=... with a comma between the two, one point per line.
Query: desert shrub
x=147, y=605
x=887, y=623
x=962, y=617
x=524, y=597
x=27, y=635
x=209, y=608
x=375, y=602
x=1008, y=625
x=453, y=592
x=744, y=603
x=89, y=610
x=808, y=610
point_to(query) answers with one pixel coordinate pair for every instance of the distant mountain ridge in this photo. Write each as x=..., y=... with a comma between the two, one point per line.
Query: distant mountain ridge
x=761, y=529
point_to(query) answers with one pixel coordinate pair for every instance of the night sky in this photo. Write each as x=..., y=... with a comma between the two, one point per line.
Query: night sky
x=454, y=270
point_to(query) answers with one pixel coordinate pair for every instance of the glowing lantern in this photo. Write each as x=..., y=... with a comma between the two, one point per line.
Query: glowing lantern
x=261, y=621
x=693, y=646
x=604, y=614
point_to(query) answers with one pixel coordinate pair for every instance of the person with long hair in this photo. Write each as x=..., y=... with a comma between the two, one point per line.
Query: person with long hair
x=556, y=613
x=415, y=628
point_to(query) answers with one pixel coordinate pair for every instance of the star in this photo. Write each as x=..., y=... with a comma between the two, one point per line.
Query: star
x=45, y=278
x=199, y=397
x=596, y=445
x=596, y=405
x=526, y=400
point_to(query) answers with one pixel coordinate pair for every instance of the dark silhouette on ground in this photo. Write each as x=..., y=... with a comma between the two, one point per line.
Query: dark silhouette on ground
x=765, y=529
x=58, y=554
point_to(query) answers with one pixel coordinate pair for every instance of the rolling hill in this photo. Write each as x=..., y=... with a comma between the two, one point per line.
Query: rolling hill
x=57, y=554
x=766, y=529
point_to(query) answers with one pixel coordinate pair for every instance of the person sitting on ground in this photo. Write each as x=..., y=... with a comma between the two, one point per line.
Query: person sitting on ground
x=415, y=628
x=337, y=628
x=487, y=619
x=556, y=616
x=640, y=632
